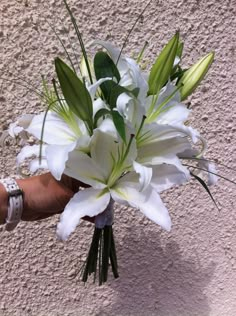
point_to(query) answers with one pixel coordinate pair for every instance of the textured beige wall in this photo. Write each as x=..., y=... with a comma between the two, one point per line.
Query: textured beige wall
x=190, y=271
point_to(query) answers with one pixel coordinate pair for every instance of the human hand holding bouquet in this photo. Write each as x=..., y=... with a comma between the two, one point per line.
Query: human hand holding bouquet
x=122, y=132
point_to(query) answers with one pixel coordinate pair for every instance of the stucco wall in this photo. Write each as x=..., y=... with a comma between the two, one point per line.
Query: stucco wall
x=190, y=271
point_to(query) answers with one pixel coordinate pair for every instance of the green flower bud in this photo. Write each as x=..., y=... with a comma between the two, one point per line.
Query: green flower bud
x=163, y=66
x=194, y=75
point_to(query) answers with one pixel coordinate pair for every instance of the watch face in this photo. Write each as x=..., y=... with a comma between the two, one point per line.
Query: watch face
x=16, y=192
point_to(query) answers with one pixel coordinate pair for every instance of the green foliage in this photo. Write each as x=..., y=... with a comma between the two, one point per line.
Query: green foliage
x=104, y=67
x=119, y=124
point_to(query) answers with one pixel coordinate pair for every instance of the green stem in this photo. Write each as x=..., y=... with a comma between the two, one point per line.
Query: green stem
x=142, y=51
x=102, y=250
x=113, y=257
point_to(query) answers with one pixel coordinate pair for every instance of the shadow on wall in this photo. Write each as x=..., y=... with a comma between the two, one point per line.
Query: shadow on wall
x=157, y=281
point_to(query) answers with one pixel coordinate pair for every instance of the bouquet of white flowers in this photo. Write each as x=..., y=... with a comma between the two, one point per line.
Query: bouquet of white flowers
x=120, y=130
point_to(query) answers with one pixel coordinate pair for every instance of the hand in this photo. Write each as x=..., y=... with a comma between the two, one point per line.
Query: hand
x=43, y=196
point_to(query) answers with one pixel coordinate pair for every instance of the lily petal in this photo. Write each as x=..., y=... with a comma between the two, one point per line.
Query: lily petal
x=210, y=171
x=155, y=153
x=21, y=124
x=176, y=114
x=89, y=202
x=29, y=151
x=56, y=131
x=209, y=167
x=166, y=176
x=104, y=151
x=93, y=88
x=148, y=201
x=107, y=126
x=57, y=155
x=138, y=80
x=81, y=167
x=97, y=105
x=130, y=109
x=145, y=175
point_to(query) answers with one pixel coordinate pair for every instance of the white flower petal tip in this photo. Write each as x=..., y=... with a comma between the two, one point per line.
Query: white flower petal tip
x=167, y=225
x=89, y=202
x=93, y=88
x=62, y=234
x=212, y=177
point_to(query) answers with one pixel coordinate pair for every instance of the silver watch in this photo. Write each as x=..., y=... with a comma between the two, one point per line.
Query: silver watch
x=15, y=203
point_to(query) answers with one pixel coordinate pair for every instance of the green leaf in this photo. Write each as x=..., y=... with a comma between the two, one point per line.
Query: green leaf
x=162, y=68
x=119, y=124
x=135, y=92
x=178, y=74
x=99, y=114
x=204, y=186
x=105, y=67
x=75, y=93
x=194, y=75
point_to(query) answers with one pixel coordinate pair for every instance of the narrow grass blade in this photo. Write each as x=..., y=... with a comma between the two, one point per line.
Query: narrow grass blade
x=131, y=30
x=205, y=187
x=79, y=36
x=216, y=174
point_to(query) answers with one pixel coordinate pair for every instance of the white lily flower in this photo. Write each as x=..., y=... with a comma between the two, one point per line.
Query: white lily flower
x=104, y=171
x=60, y=137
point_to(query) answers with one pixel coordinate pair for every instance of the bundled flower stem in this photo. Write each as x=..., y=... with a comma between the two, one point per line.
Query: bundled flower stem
x=102, y=250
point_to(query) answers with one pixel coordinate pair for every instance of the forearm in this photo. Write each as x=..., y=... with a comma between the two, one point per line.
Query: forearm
x=43, y=196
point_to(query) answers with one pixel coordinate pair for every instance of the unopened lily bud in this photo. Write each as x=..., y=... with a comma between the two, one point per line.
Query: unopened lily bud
x=194, y=75
x=84, y=70
x=163, y=66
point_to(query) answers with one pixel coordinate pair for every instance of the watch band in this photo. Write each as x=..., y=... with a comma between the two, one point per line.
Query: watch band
x=15, y=203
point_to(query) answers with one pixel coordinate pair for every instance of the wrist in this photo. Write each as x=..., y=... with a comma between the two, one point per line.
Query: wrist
x=13, y=201
x=3, y=204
